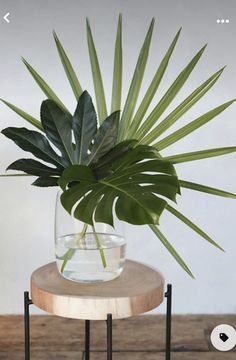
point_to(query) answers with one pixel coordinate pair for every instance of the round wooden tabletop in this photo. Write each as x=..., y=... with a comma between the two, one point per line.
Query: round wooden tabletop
x=139, y=289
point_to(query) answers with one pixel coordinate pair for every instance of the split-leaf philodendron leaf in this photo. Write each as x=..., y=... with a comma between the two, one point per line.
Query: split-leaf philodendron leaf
x=118, y=165
x=133, y=185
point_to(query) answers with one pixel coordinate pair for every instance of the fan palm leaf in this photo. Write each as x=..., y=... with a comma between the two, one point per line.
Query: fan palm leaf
x=30, y=119
x=152, y=89
x=135, y=85
x=171, y=249
x=206, y=189
x=194, y=227
x=192, y=126
x=70, y=73
x=44, y=86
x=199, y=155
x=117, y=71
x=180, y=110
x=97, y=77
x=169, y=96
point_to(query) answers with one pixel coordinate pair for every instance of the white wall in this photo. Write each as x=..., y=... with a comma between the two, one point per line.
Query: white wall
x=27, y=213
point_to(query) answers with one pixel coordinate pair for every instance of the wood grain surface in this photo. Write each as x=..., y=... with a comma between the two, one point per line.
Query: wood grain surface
x=139, y=289
x=136, y=338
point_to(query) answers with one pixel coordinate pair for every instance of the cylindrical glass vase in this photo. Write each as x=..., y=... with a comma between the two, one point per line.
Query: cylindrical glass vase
x=85, y=253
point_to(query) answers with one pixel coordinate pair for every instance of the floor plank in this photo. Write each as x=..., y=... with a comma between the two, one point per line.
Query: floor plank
x=43, y=355
x=72, y=355
x=151, y=355
x=161, y=356
x=143, y=337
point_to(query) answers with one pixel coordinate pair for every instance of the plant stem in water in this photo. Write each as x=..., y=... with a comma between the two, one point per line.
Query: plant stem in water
x=99, y=247
x=81, y=239
x=69, y=254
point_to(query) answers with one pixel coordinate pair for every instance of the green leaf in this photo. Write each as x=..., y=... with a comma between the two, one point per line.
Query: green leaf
x=192, y=126
x=199, y=155
x=132, y=168
x=97, y=78
x=46, y=181
x=194, y=227
x=70, y=73
x=206, y=189
x=104, y=210
x=44, y=86
x=137, y=154
x=136, y=204
x=34, y=142
x=117, y=71
x=24, y=115
x=164, y=185
x=78, y=173
x=160, y=184
x=168, y=97
x=84, y=124
x=184, y=106
x=131, y=206
x=135, y=85
x=57, y=125
x=2, y=175
x=85, y=208
x=105, y=137
x=170, y=248
x=33, y=167
x=146, y=207
x=148, y=97
x=129, y=165
x=75, y=193
x=116, y=153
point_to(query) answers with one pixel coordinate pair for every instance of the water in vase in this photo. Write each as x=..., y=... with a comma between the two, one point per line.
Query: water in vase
x=84, y=258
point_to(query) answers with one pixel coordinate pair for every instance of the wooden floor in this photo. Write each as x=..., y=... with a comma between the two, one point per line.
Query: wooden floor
x=139, y=338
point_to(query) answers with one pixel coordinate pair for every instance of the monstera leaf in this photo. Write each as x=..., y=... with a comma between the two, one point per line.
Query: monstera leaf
x=133, y=187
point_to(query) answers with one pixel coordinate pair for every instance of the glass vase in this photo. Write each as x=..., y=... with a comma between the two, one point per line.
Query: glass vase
x=85, y=253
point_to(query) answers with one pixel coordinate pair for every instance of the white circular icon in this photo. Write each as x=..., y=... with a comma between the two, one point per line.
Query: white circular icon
x=223, y=337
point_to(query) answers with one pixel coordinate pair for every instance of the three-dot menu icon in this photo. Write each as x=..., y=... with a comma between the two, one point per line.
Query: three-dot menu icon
x=222, y=21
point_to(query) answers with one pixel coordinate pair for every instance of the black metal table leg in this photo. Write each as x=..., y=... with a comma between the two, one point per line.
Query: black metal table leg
x=168, y=295
x=87, y=340
x=27, y=303
x=109, y=336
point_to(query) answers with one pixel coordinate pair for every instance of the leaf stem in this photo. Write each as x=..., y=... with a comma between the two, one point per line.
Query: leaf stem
x=99, y=247
x=70, y=253
x=81, y=240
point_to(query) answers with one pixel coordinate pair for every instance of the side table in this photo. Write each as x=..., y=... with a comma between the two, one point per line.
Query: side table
x=139, y=289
